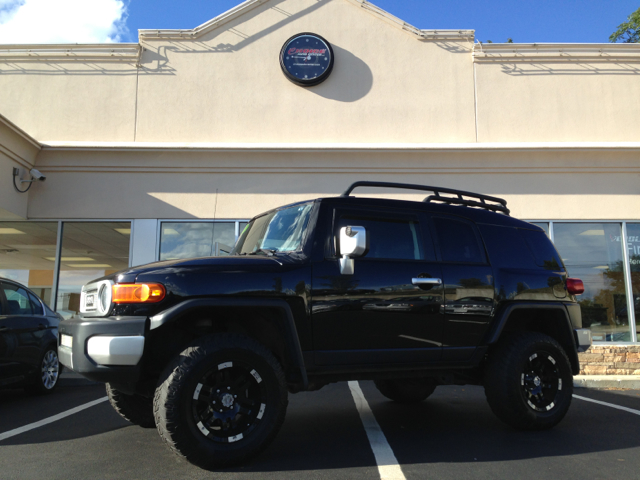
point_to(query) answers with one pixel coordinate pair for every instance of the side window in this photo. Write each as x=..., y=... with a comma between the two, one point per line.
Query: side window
x=458, y=241
x=542, y=249
x=36, y=306
x=396, y=239
x=17, y=300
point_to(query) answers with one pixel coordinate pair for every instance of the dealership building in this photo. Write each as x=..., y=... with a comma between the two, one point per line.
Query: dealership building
x=164, y=148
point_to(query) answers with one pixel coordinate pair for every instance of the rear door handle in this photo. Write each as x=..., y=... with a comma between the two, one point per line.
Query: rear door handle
x=426, y=281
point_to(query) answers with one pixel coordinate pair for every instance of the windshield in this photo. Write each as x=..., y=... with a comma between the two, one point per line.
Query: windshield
x=280, y=231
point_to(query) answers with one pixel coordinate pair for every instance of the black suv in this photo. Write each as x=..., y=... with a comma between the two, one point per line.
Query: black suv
x=411, y=295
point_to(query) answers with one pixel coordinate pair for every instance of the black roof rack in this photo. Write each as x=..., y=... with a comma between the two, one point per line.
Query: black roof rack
x=478, y=200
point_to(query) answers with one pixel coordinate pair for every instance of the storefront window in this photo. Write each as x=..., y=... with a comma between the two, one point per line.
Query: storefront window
x=27, y=255
x=90, y=250
x=633, y=246
x=593, y=253
x=196, y=239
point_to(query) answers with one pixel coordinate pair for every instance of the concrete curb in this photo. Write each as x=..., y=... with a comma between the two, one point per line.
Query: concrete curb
x=607, y=381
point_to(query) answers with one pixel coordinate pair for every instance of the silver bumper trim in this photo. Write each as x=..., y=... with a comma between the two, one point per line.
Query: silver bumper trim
x=107, y=350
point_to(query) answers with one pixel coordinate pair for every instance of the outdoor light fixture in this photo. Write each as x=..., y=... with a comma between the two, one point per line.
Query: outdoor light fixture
x=36, y=175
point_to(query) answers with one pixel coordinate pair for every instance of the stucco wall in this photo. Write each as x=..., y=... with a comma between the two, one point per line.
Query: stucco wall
x=560, y=183
x=17, y=150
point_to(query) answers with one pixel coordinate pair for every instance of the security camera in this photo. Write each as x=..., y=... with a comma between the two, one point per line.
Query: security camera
x=41, y=177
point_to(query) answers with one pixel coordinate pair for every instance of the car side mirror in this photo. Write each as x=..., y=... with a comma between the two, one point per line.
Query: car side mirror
x=353, y=243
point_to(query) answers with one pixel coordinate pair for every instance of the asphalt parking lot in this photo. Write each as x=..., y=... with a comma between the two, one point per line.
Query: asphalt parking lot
x=451, y=435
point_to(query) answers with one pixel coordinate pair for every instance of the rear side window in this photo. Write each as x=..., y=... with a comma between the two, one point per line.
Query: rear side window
x=458, y=241
x=17, y=300
x=543, y=251
x=506, y=247
x=36, y=306
x=388, y=239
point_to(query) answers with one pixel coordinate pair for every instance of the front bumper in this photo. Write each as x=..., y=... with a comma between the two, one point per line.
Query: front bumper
x=104, y=349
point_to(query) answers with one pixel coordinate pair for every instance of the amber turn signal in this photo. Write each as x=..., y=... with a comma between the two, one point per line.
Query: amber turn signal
x=575, y=286
x=138, y=293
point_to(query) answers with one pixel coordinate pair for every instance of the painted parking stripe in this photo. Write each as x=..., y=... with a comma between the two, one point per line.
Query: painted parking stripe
x=618, y=407
x=46, y=421
x=388, y=466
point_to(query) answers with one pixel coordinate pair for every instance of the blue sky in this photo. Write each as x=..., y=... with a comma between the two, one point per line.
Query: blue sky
x=590, y=21
x=98, y=21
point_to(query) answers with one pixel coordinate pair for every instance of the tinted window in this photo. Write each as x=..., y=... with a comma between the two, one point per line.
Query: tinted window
x=542, y=249
x=458, y=241
x=506, y=247
x=389, y=239
x=17, y=300
x=36, y=307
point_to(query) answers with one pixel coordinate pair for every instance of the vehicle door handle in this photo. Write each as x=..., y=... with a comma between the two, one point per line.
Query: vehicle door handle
x=41, y=326
x=426, y=281
x=2, y=329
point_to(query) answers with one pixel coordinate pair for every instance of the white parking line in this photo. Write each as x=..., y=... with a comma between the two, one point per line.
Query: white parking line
x=46, y=421
x=618, y=407
x=388, y=466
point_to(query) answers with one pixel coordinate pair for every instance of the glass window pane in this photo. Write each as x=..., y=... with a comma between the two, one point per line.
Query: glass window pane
x=90, y=250
x=388, y=239
x=36, y=307
x=633, y=244
x=224, y=236
x=27, y=255
x=17, y=300
x=542, y=225
x=458, y=242
x=185, y=240
x=593, y=253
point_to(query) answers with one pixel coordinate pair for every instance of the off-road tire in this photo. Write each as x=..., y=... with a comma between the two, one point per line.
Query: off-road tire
x=194, y=381
x=133, y=408
x=510, y=380
x=406, y=390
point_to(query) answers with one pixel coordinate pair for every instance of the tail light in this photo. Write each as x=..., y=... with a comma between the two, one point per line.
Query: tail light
x=575, y=286
x=138, y=293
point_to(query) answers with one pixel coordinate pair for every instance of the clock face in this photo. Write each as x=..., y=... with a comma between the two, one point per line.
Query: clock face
x=306, y=59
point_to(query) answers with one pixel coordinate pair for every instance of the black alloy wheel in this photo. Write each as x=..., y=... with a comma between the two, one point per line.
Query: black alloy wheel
x=229, y=402
x=528, y=381
x=221, y=401
x=48, y=374
x=541, y=381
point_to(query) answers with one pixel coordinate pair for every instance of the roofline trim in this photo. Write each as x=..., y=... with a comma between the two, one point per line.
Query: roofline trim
x=492, y=52
x=336, y=147
x=89, y=51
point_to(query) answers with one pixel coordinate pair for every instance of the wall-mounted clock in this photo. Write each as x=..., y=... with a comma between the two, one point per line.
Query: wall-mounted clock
x=306, y=59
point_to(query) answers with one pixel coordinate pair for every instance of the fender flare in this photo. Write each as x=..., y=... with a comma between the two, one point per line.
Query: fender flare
x=503, y=315
x=292, y=342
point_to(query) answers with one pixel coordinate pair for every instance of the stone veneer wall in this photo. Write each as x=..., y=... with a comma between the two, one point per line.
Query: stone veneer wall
x=610, y=360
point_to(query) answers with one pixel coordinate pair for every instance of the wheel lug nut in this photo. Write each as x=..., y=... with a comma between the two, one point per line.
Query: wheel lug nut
x=228, y=388
x=235, y=396
x=217, y=391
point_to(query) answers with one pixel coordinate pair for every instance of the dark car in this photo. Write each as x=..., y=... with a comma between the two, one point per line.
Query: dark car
x=28, y=340
x=411, y=295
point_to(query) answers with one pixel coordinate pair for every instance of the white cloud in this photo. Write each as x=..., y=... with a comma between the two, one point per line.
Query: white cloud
x=62, y=21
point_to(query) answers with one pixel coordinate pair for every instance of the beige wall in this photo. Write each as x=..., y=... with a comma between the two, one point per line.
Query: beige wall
x=574, y=96
x=70, y=99
x=560, y=183
x=227, y=86
x=17, y=150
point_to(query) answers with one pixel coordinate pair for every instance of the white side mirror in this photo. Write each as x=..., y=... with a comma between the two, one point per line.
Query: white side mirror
x=353, y=243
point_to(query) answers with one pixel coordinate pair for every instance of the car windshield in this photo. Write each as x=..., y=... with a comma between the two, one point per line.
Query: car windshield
x=279, y=231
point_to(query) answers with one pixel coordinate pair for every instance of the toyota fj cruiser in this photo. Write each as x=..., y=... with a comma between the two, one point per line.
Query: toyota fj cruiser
x=411, y=295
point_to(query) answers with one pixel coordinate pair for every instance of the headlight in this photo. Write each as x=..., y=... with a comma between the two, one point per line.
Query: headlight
x=138, y=292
